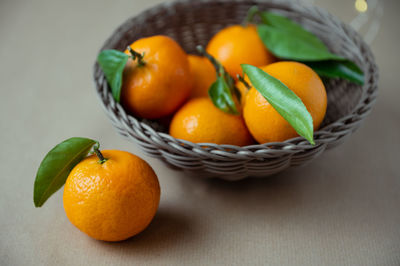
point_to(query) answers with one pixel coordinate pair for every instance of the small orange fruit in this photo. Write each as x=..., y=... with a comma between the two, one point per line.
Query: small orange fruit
x=114, y=200
x=237, y=45
x=203, y=75
x=264, y=122
x=160, y=85
x=200, y=121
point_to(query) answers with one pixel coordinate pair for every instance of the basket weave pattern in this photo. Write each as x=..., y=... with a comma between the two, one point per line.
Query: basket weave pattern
x=195, y=22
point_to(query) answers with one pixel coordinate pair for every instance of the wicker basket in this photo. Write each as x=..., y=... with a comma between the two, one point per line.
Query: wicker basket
x=195, y=22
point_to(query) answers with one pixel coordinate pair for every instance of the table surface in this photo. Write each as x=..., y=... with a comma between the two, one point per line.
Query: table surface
x=341, y=209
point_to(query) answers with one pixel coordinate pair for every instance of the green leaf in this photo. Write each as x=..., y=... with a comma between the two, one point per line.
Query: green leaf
x=291, y=27
x=285, y=101
x=288, y=40
x=293, y=45
x=112, y=62
x=338, y=69
x=56, y=165
x=221, y=96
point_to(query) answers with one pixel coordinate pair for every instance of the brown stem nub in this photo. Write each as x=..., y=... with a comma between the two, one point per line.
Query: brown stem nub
x=138, y=56
x=99, y=154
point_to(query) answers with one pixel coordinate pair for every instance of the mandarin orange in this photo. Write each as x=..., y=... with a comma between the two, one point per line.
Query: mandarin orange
x=114, y=200
x=157, y=85
x=237, y=45
x=200, y=121
x=203, y=75
x=264, y=122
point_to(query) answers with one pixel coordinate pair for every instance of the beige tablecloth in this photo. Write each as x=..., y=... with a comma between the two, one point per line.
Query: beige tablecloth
x=341, y=209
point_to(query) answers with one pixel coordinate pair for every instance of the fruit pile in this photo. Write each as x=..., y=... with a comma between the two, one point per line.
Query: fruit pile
x=251, y=83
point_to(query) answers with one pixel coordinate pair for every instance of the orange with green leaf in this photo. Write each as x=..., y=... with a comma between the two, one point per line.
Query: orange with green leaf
x=110, y=195
x=303, y=84
x=152, y=78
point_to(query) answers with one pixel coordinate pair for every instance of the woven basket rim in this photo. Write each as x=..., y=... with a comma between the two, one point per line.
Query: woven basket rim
x=223, y=151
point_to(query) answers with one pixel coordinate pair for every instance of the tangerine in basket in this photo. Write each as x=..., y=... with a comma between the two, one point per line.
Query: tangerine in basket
x=199, y=121
x=236, y=45
x=264, y=122
x=159, y=81
x=203, y=75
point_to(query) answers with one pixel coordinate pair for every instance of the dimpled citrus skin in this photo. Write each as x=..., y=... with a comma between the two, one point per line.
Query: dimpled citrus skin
x=264, y=122
x=199, y=121
x=159, y=87
x=237, y=45
x=203, y=75
x=114, y=200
